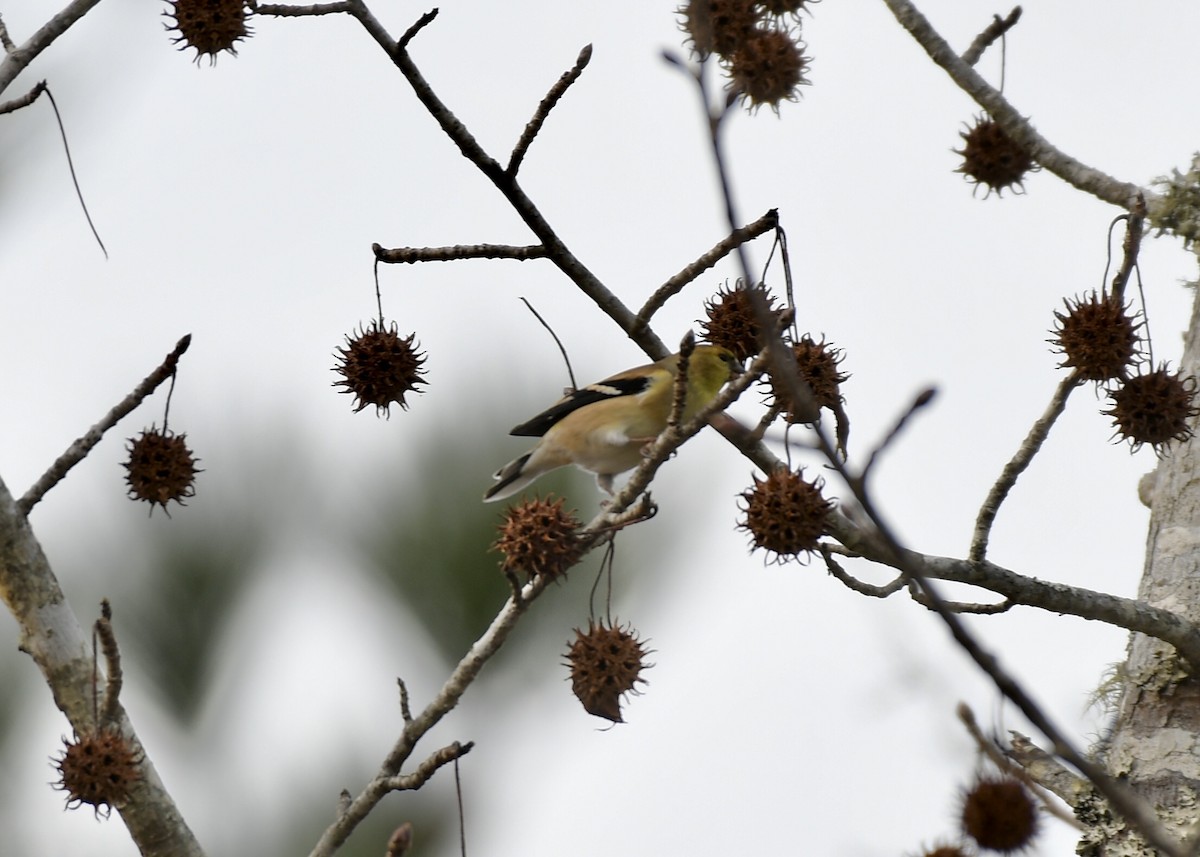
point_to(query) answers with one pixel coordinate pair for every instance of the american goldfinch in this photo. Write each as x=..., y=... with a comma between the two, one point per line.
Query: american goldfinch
x=602, y=427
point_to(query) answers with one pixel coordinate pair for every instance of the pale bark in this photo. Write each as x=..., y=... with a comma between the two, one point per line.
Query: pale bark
x=1155, y=742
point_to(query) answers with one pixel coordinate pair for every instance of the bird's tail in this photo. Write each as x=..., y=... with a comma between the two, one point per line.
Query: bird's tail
x=510, y=479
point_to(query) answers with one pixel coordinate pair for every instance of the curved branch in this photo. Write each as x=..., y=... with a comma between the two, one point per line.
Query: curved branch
x=1075, y=173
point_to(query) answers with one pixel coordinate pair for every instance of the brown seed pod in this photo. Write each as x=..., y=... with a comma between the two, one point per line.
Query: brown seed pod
x=817, y=363
x=606, y=663
x=786, y=515
x=380, y=367
x=999, y=815
x=993, y=159
x=98, y=769
x=732, y=322
x=539, y=538
x=1096, y=336
x=767, y=68
x=160, y=468
x=1155, y=408
x=209, y=26
x=717, y=26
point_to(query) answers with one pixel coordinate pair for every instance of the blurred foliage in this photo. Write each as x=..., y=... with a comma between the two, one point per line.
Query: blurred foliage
x=174, y=619
x=435, y=553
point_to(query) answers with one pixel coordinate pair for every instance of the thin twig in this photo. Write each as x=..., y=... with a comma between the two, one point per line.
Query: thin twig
x=425, y=770
x=112, y=666
x=919, y=597
x=1008, y=476
x=543, y=111
x=405, y=711
x=675, y=284
x=5, y=41
x=82, y=446
x=861, y=587
x=410, y=255
x=282, y=11
x=987, y=38
x=25, y=100
x=561, y=348
x=922, y=399
x=411, y=33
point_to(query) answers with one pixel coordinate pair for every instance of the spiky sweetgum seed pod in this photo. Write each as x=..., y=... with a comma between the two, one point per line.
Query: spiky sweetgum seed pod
x=97, y=769
x=732, y=322
x=380, y=367
x=717, y=26
x=1097, y=337
x=1154, y=408
x=539, y=538
x=992, y=158
x=785, y=514
x=606, y=662
x=160, y=468
x=767, y=68
x=817, y=363
x=999, y=815
x=209, y=26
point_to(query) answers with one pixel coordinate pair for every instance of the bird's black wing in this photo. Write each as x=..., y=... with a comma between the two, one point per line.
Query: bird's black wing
x=602, y=391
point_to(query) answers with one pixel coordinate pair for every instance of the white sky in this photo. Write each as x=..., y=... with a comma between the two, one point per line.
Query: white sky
x=785, y=714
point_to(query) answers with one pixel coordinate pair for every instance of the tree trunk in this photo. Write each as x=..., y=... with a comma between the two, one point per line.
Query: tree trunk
x=1155, y=741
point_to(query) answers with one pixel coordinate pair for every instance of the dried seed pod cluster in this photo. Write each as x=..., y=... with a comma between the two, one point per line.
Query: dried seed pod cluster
x=606, y=663
x=758, y=44
x=539, y=538
x=992, y=159
x=209, y=26
x=1099, y=340
x=160, y=468
x=99, y=769
x=380, y=367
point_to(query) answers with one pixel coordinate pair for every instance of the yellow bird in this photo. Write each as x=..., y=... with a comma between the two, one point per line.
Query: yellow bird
x=603, y=427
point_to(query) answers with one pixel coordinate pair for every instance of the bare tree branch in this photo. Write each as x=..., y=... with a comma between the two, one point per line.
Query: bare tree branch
x=411, y=255
x=1075, y=173
x=51, y=634
x=81, y=447
x=1038, y=433
x=987, y=38
x=17, y=58
x=543, y=111
x=24, y=100
x=673, y=286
